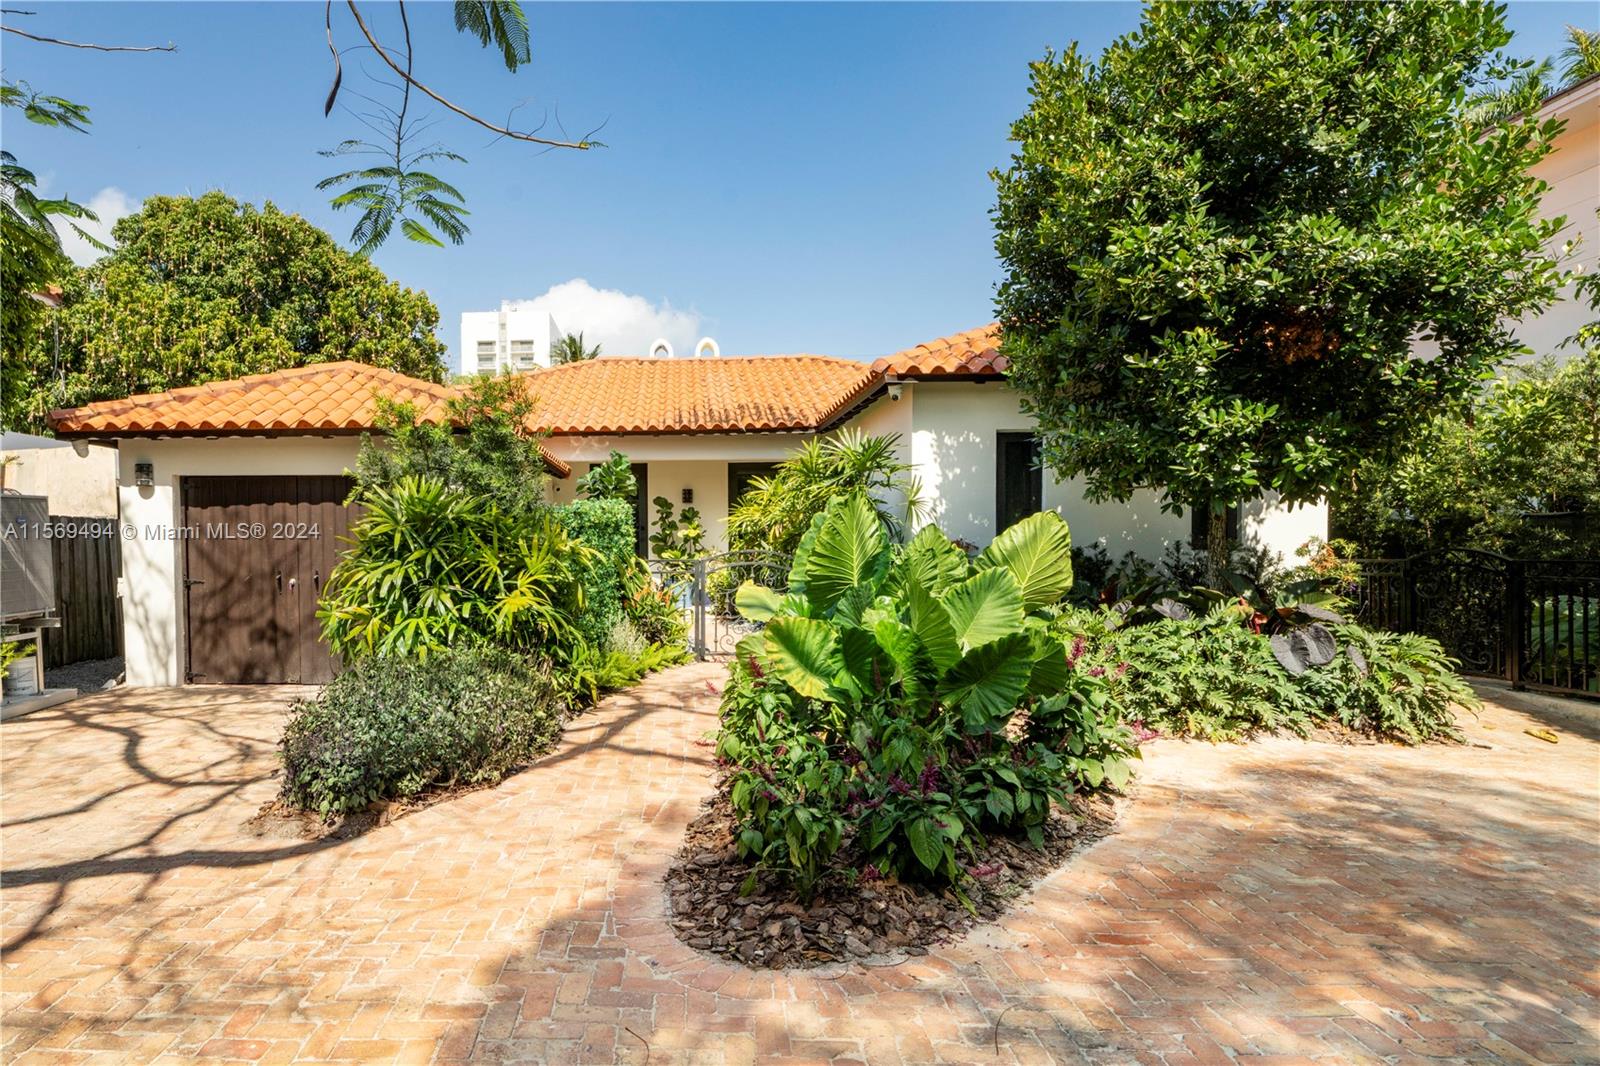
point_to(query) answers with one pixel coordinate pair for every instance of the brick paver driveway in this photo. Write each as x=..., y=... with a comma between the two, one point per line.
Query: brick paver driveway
x=1278, y=899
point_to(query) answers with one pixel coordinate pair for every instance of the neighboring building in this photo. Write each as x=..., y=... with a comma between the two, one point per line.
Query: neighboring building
x=1572, y=171
x=203, y=602
x=516, y=337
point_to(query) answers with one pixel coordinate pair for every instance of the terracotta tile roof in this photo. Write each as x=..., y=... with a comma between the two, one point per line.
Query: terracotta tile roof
x=324, y=397
x=970, y=354
x=718, y=395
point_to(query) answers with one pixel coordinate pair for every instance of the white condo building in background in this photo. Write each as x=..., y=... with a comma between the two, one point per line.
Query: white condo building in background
x=516, y=337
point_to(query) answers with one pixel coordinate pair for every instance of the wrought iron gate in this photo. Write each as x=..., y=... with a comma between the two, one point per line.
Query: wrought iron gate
x=705, y=588
x=1535, y=623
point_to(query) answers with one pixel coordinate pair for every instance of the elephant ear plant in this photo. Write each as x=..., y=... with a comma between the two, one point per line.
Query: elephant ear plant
x=903, y=701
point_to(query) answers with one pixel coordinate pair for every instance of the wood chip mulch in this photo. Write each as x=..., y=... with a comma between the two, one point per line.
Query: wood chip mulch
x=876, y=922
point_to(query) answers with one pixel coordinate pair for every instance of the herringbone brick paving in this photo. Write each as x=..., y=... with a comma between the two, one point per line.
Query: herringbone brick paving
x=1276, y=902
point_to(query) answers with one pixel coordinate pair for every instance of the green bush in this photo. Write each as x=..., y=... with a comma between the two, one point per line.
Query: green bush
x=391, y=729
x=1399, y=686
x=876, y=707
x=655, y=613
x=606, y=525
x=1214, y=677
x=1207, y=677
x=432, y=567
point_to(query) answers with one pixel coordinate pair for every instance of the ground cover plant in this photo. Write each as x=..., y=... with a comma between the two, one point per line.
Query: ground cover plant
x=390, y=729
x=1224, y=666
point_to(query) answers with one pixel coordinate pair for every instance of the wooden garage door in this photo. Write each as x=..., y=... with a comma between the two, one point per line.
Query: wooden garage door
x=257, y=552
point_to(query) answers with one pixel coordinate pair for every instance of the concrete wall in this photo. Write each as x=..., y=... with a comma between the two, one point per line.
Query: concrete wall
x=82, y=486
x=151, y=588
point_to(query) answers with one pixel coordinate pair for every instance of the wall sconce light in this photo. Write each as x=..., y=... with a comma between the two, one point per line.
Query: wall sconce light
x=144, y=474
x=687, y=496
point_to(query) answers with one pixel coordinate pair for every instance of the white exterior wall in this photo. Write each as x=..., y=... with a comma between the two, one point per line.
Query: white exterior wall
x=954, y=428
x=151, y=588
x=1572, y=172
x=510, y=323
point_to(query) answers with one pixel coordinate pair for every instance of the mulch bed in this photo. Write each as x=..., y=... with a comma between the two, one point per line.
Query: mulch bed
x=876, y=922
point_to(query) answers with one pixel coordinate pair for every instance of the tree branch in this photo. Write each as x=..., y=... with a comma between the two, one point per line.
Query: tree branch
x=85, y=44
x=463, y=112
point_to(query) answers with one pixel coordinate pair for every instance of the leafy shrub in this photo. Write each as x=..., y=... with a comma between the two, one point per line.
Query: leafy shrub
x=1395, y=685
x=655, y=612
x=391, y=729
x=432, y=567
x=1207, y=677
x=610, y=480
x=485, y=450
x=877, y=704
x=605, y=525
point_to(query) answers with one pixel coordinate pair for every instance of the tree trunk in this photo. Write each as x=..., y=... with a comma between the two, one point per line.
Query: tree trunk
x=1216, y=547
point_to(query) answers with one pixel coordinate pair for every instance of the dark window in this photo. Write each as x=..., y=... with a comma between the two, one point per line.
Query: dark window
x=1200, y=526
x=641, y=513
x=1019, y=483
x=739, y=477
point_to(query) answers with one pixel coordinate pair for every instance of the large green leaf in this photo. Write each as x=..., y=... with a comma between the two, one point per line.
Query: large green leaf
x=1038, y=553
x=931, y=623
x=1050, y=669
x=927, y=842
x=804, y=653
x=931, y=560
x=988, y=681
x=858, y=654
x=757, y=602
x=913, y=666
x=984, y=608
x=802, y=554
x=849, y=549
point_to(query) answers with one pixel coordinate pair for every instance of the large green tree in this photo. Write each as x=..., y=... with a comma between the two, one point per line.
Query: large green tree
x=1257, y=242
x=203, y=289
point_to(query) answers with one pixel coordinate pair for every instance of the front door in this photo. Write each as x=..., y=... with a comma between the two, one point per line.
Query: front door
x=257, y=552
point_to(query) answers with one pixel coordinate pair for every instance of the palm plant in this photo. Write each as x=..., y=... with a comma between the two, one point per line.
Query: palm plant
x=431, y=567
x=570, y=349
x=775, y=511
x=1581, y=57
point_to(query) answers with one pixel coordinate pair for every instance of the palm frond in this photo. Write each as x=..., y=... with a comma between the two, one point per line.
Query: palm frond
x=1580, y=59
x=498, y=22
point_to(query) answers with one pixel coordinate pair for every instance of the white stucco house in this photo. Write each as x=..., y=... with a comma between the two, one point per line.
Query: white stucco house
x=1571, y=173
x=231, y=495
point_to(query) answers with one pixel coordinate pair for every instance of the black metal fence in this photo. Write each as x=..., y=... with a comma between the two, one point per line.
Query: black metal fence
x=1532, y=622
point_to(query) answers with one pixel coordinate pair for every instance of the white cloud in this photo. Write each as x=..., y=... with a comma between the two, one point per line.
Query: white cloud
x=621, y=323
x=110, y=203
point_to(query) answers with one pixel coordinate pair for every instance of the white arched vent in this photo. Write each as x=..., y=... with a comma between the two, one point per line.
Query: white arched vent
x=661, y=348
x=707, y=349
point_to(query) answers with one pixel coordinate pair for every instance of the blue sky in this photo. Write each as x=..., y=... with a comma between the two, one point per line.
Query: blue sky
x=795, y=177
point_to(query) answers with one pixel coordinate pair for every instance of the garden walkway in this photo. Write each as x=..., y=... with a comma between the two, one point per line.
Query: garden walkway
x=1273, y=902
